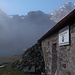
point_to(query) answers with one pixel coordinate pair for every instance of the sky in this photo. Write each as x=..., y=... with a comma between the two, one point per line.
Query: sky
x=22, y=7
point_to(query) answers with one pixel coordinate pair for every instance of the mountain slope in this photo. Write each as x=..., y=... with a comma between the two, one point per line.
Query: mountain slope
x=60, y=13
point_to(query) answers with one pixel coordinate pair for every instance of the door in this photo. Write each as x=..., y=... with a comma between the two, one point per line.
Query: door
x=54, y=59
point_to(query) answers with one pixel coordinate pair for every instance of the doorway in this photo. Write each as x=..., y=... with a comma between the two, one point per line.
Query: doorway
x=54, y=59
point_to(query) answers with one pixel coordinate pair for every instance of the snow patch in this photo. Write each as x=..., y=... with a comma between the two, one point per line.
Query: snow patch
x=22, y=17
x=10, y=16
x=51, y=13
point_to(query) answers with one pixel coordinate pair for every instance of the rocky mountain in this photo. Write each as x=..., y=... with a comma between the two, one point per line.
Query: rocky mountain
x=61, y=12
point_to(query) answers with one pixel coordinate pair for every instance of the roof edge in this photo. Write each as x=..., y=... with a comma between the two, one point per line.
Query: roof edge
x=59, y=24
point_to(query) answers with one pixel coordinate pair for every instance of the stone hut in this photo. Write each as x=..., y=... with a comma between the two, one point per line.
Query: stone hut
x=58, y=46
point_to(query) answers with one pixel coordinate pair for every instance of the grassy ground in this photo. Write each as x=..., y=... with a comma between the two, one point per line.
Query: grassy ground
x=11, y=58
x=8, y=70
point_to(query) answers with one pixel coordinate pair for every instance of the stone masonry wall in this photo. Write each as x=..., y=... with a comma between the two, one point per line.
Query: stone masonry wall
x=65, y=54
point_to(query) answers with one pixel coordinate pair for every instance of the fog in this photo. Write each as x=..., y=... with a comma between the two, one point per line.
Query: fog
x=21, y=32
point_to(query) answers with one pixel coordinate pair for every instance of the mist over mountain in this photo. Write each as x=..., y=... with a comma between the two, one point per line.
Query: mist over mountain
x=21, y=32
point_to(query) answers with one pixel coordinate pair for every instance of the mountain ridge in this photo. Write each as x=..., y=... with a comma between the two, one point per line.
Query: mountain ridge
x=63, y=11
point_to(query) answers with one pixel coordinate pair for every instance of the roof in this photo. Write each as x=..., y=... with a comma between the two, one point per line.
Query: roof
x=69, y=19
